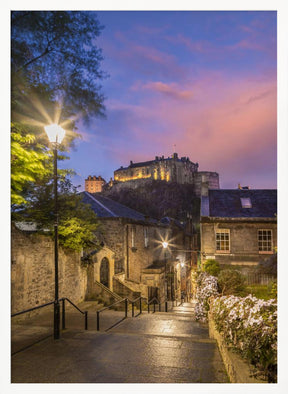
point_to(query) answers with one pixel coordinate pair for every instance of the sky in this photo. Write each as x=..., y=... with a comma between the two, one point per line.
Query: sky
x=199, y=83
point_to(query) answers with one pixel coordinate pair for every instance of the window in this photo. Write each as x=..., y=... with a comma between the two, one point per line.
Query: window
x=265, y=241
x=223, y=240
x=146, y=239
x=246, y=202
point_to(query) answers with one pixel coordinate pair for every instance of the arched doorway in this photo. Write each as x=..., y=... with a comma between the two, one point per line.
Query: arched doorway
x=104, y=272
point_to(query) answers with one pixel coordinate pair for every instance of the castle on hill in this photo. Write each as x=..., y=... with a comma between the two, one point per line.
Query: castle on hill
x=170, y=169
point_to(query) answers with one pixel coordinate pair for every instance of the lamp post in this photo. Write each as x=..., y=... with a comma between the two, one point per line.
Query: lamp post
x=55, y=134
x=165, y=245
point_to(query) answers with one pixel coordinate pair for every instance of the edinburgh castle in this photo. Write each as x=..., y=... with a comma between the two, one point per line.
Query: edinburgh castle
x=170, y=169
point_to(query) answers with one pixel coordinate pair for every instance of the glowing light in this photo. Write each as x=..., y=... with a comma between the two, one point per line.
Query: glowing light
x=165, y=244
x=55, y=133
x=182, y=264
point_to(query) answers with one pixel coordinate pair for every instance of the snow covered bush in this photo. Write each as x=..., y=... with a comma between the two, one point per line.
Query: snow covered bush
x=249, y=325
x=206, y=287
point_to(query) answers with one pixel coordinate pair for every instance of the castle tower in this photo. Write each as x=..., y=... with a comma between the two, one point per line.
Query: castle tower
x=94, y=184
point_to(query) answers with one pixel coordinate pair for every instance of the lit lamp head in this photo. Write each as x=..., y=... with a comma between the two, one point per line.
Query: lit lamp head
x=165, y=245
x=55, y=133
x=182, y=264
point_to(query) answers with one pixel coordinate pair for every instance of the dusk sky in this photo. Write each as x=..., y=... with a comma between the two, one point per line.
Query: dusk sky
x=203, y=81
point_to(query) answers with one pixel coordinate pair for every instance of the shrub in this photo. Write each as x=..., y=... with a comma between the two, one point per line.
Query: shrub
x=206, y=287
x=249, y=326
x=273, y=289
x=212, y=267
x=231, y=282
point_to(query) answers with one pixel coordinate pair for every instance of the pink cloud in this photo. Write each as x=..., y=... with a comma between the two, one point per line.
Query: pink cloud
x=171, y=90
x=229, y=126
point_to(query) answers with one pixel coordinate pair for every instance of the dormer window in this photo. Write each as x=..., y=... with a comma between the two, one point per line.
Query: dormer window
x=246, y=202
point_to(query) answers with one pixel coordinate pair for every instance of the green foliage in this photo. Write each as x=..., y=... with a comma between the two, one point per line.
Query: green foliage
x=231, y=282
x=263, y=292
x=27, y=162
x=77, y=221
x=212, y=267
x=57, y=49
x=75, y=233
x=273, y=289
x=54, y=79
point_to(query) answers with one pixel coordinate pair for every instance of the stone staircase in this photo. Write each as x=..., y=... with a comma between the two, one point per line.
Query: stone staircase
x=185, y=309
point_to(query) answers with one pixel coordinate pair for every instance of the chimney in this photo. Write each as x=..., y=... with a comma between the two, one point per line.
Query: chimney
x=204, y=186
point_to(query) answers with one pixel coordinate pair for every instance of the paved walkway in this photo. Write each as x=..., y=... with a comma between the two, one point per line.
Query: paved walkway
x=151, y=348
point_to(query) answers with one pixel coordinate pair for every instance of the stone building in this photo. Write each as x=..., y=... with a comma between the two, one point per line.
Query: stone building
x=139, y=263
x=238, y=227
x=94, y=184
x=171, y=169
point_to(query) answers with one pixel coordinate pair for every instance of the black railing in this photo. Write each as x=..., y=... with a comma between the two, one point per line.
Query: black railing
x=32, y=309
x=125, y=300
x=85, y=313
x=155, y=302
x=133, y=302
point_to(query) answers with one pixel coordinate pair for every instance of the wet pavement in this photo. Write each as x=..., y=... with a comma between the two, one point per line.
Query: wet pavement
x=150, y=348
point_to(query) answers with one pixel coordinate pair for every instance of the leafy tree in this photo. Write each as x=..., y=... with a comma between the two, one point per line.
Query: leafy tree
x=231, y=281
x=25, y=164
x=77, y=221
x=55, y=74
x=212, y=267
x=57, y=50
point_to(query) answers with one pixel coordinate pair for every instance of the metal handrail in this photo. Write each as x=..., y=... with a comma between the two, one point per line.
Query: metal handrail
x=63, y=311
x=109, y=306
x=85, y=313
x=32, y=309
x=140, y=304
x=154, y=303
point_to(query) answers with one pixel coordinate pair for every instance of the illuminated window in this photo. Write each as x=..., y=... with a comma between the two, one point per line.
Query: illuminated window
x=223, y=240
x=265, y=243
x=246, y=202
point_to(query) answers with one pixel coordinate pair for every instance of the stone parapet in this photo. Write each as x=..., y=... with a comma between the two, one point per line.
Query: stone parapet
x=237, y=369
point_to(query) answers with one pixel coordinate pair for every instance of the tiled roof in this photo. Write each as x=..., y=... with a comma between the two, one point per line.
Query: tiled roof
x=227, y=203
x=106, y=208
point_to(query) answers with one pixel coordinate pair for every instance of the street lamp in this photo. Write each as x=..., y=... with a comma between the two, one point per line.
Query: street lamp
x=165, y=246
x=55, y=134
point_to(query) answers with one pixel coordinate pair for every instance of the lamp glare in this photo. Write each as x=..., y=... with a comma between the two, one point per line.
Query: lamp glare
x=55, y=133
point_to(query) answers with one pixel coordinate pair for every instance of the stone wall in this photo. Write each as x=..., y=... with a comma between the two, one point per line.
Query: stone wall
x=133, y=255
x=244, y=249
x=32, y=272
